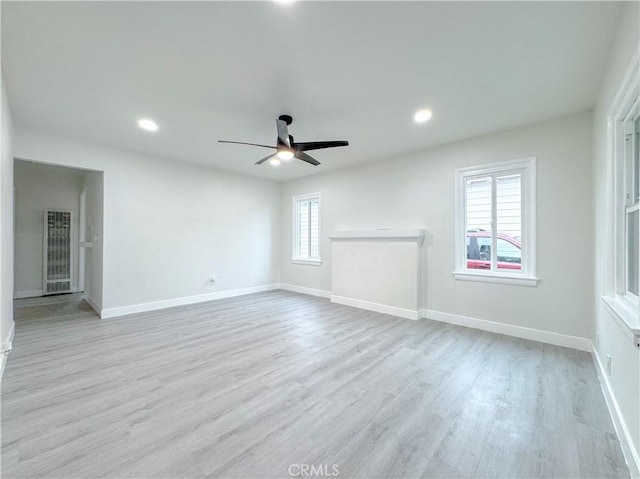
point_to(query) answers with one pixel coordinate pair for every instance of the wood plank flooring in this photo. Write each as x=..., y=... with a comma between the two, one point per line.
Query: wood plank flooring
x=266, y=384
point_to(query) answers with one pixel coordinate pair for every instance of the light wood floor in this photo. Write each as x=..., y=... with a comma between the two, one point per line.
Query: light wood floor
x=247, y=387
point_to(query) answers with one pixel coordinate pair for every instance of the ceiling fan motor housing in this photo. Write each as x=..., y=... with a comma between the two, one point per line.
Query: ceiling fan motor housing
x=288, y=119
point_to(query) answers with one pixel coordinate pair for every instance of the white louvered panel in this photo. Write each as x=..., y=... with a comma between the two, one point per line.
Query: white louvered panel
x=57, y=252
x=509, y=205
x=307, y=228
x=304, y=229
x=478, y=207
x=314, y=230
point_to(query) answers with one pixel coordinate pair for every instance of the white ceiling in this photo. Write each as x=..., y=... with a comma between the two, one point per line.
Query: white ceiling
x=345, y=70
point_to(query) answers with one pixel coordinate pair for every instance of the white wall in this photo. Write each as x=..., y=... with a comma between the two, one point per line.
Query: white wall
x=6, y=226
x=417, y=191
x=93, y=229
x=613, y=340
x=40, y=187
x=170, y=226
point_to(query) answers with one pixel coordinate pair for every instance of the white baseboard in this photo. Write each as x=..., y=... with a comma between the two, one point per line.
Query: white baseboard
x=377, y=307
x=626, y=443
x=303, y=290
x=30, y=293
x=7, y=345
x=574, y=342
x=170, y=303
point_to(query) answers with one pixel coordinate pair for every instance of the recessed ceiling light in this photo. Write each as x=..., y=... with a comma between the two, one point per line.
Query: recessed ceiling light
x=147, y=124
x=284, y=155
x=285, y=2
x=422, y=116
x=274, y=162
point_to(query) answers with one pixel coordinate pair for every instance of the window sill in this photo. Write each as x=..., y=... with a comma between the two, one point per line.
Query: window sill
x=496, y=278
x=624, y=313
x=312, y=262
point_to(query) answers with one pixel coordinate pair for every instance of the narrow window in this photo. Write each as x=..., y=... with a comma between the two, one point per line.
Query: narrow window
x=306, y=225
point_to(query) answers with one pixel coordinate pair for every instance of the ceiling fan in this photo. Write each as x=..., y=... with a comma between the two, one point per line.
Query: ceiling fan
x=287, y=148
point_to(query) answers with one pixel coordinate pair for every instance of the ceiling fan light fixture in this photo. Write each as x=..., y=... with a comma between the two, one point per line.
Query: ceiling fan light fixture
x=284, y=155
x=274, y=162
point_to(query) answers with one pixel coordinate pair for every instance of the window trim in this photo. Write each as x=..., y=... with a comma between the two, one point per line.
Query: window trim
x=295, y=253
x=527, y=276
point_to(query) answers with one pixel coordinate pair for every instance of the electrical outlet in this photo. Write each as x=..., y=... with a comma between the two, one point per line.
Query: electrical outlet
x=609, y=364
x=597, y=340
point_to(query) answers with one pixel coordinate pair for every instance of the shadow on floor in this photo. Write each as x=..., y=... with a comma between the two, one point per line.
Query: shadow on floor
x=60, y=307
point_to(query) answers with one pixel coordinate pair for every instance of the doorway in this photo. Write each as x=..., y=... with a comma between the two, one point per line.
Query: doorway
x=58, y=229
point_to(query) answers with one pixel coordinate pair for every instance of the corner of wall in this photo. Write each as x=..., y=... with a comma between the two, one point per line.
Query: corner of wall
x=6, y=224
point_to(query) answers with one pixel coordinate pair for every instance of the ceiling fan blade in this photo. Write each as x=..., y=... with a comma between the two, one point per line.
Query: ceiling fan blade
x=319, y=145
x=250, y=144
x=304, y=157
x=259, y=162
x=283, y=133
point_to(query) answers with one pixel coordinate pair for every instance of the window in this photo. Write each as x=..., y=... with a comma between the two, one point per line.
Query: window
x=631, y=225
x=496, y=206
x=623, y=254
x=626, y=201
x=306, y=229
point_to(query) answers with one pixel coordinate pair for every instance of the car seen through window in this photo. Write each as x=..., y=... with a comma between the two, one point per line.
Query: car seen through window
x=509, y=253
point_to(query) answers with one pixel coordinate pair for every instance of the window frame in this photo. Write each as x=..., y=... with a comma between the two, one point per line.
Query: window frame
x=526, y=276
x=629, y=204
x=295, y=256
x=624, y=305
